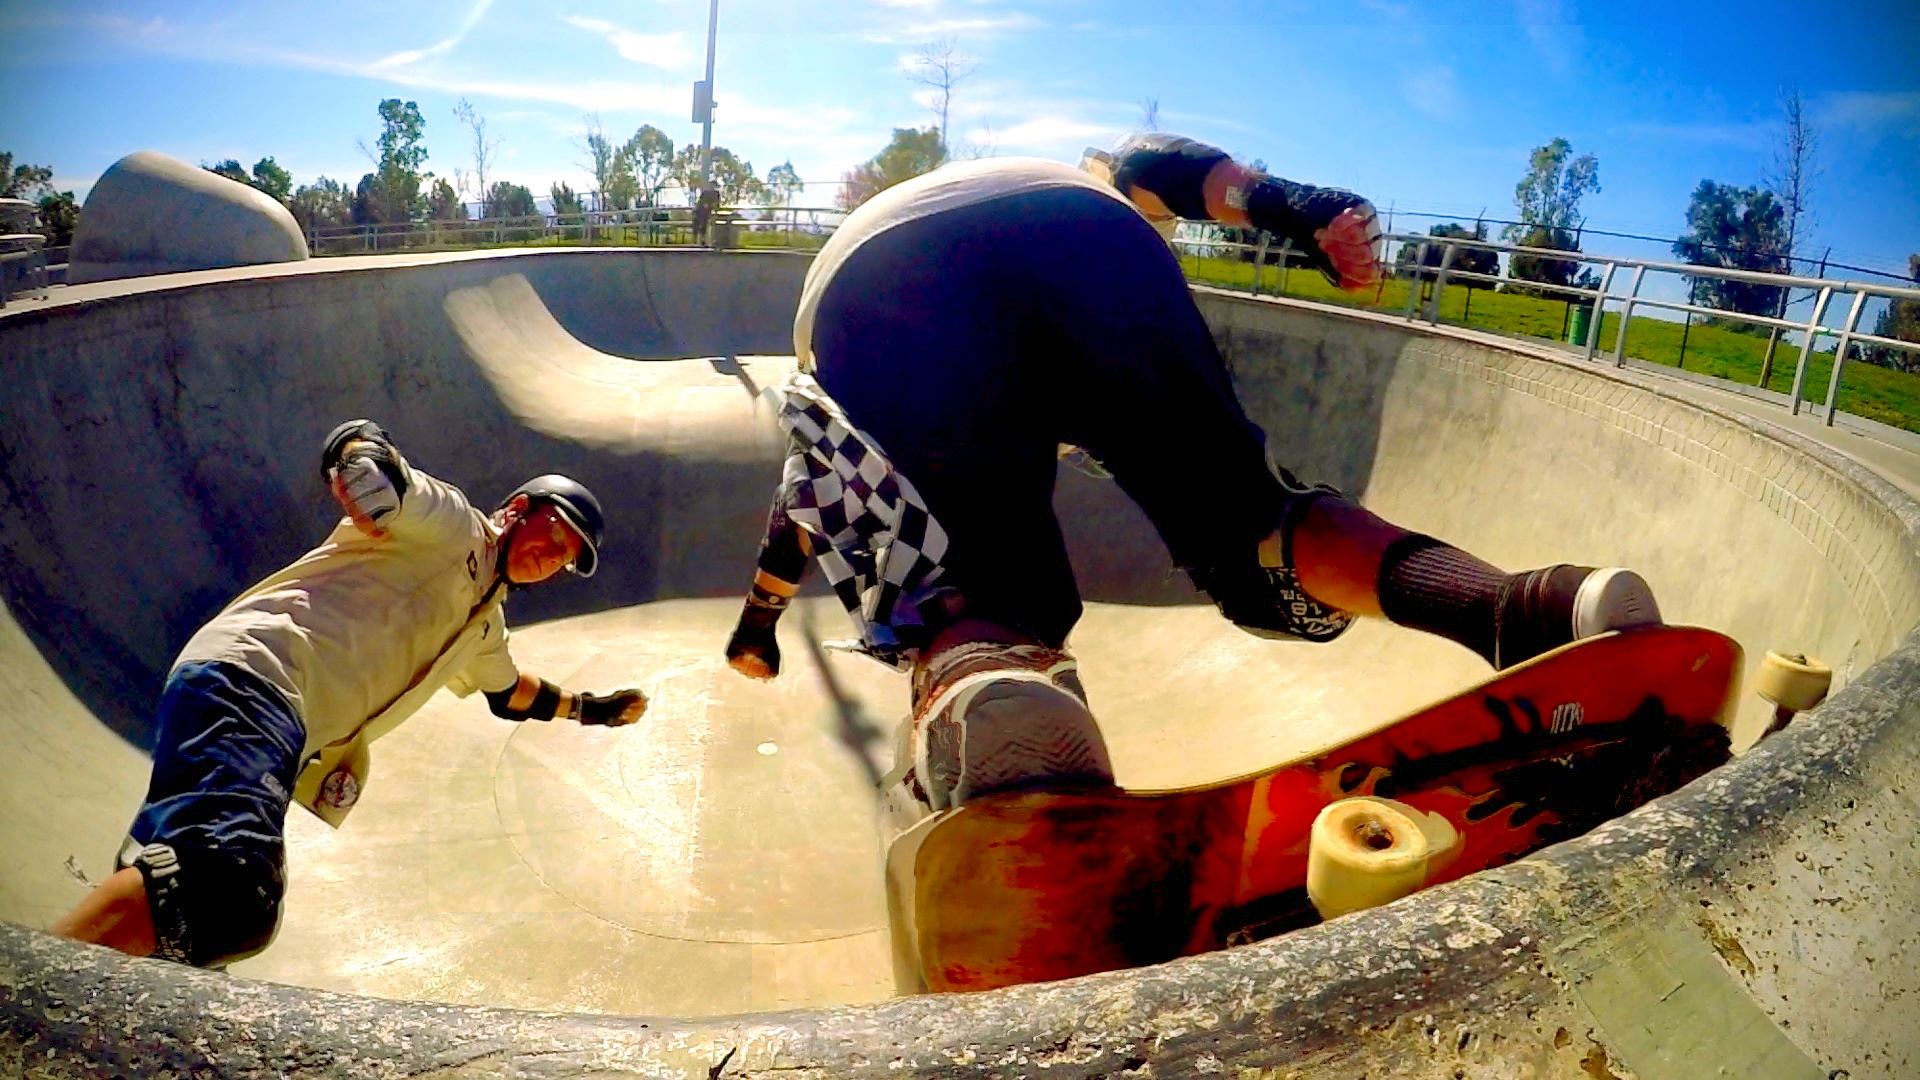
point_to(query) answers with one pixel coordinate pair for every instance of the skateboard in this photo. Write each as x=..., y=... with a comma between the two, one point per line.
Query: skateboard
x=1039, y=885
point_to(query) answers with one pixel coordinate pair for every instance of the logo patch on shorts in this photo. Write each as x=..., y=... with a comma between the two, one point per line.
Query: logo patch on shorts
x=339, y=790
x=473, y=567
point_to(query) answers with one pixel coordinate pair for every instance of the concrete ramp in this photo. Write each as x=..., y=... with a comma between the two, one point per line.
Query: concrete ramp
x=721, y=858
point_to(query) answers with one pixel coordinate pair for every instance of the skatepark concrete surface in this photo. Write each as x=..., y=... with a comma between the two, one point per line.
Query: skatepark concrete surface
x=699, y=894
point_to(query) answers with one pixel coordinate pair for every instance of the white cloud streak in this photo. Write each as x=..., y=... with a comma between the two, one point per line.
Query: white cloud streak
x=410, y=56
x=668, y=52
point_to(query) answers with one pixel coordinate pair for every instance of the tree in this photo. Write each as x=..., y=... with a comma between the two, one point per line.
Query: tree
x=650, y=160
x=231, y=169
x=1901, y=321
x=322, y=204
x=733, y=178
x=1734, y=228
x=506, y=200
x=1794, y=171
x=444, y=202
x=783, y=183
x=1472, y=260
x=611, y=166
x=267, y=176
x=392, y=191
x=940, y=65
x=913, y=151
x=483, y=148
x=23, y=181
x=59, y=217
x=565, y=202
x=1548, y=199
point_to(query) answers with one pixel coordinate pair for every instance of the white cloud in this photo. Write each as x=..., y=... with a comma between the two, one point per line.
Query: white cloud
x=1870, y=110
x=410, y=56
x=1049, y=131
x=1557, y=40
x=1433, y=90
x=930, y=30
x=669, y=52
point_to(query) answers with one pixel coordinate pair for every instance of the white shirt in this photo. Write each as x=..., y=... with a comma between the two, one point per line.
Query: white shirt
x=946, y=188
x=361, y=631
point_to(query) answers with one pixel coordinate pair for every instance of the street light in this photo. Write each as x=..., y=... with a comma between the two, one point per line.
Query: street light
x=703, y=100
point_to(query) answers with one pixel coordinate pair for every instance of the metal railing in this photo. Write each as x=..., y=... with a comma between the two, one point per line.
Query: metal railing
x=792, y=226
x=1423, y=269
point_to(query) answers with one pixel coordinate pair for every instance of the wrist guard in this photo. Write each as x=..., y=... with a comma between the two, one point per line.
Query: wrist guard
x=545, y=703
x=377, y=447
x=606, y=709
x=1296, y=211
x=1173, y=168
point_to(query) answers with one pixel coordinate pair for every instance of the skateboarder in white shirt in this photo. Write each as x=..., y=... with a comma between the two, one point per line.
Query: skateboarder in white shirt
x=275, y=698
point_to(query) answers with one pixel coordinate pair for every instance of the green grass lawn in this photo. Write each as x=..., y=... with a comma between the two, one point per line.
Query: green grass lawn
x=1878, y=393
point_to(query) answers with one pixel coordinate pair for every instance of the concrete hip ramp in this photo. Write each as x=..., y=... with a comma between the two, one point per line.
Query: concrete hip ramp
x=699, y=895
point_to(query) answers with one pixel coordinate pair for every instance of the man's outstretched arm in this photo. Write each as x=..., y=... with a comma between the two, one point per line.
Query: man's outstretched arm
x=532, y=698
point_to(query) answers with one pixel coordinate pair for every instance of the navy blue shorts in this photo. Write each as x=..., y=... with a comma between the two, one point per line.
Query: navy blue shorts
x=972, y=342
x=223, y=771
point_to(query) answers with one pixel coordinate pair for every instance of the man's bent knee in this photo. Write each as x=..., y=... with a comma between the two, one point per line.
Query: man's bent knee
x=210, y=908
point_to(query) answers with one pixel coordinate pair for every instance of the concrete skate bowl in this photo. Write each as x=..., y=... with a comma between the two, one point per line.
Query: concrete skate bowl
x=543, y=901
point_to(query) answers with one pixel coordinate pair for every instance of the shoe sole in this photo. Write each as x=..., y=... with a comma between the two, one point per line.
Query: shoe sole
x=1613, y=598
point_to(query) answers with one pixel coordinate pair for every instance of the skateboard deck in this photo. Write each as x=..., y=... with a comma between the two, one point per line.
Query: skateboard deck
x=1032, y=886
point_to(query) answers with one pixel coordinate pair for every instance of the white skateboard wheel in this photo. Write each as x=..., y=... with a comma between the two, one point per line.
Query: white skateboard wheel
x=1365, y=852
x=1792, y=681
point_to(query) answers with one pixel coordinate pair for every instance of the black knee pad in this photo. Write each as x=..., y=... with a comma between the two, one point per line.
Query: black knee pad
x=1268, y=601
x=210, y=908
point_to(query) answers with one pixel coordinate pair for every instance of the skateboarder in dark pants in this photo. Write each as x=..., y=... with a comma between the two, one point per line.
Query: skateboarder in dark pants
x=960, y=328
x=276, y=698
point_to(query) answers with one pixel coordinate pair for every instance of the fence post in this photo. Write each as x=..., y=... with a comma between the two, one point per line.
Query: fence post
x=1806, y=349
x=1626, y=316
x=1413, y=287
x=1259, y=261
x=1440, y=282
x=1599, y=309
x=1840, y=353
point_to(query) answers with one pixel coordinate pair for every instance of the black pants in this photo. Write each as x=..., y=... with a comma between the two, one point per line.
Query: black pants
x=972, y=342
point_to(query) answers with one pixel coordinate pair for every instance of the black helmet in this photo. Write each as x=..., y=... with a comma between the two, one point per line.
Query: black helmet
x=577, y=505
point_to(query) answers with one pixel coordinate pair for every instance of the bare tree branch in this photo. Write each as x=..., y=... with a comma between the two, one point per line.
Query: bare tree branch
x=483, y=149
x=1794, y=168
x=1150, y=114
x=941, y=65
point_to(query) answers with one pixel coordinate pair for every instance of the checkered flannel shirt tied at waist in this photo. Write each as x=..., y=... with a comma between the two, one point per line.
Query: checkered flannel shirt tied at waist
x=872, y=534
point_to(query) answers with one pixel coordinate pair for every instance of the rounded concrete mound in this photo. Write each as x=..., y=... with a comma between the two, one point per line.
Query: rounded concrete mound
x=698, y=895
x=152, y=214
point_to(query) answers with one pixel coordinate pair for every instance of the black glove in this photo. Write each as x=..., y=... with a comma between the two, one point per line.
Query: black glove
x=754, y=634
x=1172, y=167
x=607, y=709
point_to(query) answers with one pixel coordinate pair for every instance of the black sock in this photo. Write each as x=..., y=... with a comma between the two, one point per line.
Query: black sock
x=1506, y=618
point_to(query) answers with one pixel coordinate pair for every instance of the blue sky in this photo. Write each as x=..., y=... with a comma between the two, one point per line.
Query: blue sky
x=1425, y=107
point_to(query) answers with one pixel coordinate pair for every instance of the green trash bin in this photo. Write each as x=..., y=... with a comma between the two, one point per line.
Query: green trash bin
x=1580, y=324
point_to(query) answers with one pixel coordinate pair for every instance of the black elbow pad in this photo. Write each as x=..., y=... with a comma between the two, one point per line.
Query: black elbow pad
x=1172, y=167
x=545, y=703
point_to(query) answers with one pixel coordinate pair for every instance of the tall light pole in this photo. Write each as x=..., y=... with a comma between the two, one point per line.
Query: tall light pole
x=703, y=100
